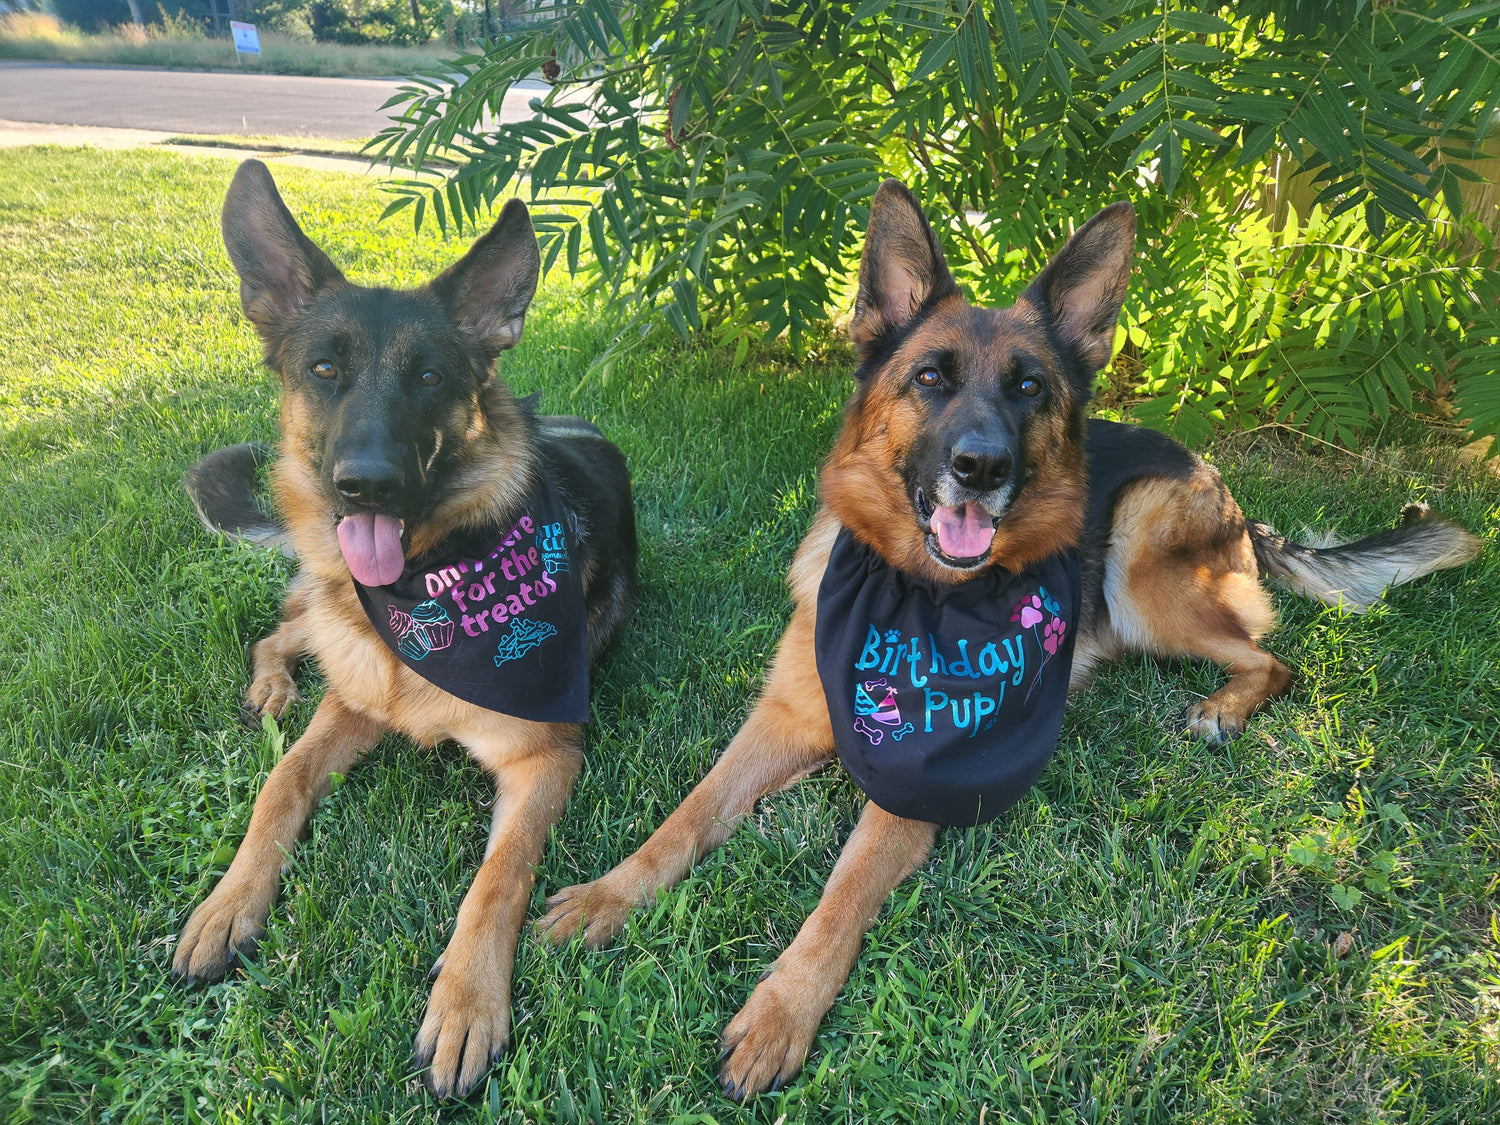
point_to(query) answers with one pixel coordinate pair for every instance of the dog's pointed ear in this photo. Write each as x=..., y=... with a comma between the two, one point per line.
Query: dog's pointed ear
x=280, y=268
x=489, y=288
x=902, y=268
x=1084, y=284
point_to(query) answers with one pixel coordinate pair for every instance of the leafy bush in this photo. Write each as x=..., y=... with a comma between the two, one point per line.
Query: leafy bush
x=710, y=163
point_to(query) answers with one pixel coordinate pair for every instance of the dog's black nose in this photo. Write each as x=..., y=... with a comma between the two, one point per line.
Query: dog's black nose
x=368, y=480
x=979, y=463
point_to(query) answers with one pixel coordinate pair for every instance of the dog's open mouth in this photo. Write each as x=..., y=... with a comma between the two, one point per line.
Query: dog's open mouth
x=371, y=544
x=957, y=537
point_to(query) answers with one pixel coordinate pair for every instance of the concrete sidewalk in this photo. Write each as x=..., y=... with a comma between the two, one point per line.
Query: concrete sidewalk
x=15, y=134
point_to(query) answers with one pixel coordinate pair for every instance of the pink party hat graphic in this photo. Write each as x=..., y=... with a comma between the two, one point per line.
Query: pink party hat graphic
x=887, y=713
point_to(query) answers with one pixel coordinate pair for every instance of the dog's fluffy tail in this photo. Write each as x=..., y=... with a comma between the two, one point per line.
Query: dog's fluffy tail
x=222, y=488
x=1357, y=575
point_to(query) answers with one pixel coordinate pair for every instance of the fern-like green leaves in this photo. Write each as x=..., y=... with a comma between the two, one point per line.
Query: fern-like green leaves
x=1301, y=173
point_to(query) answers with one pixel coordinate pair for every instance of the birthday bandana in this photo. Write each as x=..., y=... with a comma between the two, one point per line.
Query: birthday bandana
x=946, y=701
x=496, y=616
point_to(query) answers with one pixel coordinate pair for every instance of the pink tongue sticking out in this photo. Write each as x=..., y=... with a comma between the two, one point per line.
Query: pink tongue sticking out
x=963, y=533
x=372, y=548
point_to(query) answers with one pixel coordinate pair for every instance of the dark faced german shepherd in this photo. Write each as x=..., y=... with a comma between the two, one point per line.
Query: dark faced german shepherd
x=965, y=448
x=397, y=434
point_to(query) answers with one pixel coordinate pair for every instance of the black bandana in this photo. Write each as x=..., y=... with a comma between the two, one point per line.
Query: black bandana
x=946, y=701
x=496, y=616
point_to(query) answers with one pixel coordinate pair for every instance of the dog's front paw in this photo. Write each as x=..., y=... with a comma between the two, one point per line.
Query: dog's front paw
x=227, y=924
x=465, y=1031
x=271, y=694
x=764, y=1046
x=588, y=908
x=1211, y=721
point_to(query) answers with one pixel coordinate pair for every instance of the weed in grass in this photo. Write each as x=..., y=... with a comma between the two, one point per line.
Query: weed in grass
x=1152, y=935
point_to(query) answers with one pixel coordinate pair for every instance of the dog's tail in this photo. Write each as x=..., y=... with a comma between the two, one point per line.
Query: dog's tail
x=222, y=488
x=1357, y=575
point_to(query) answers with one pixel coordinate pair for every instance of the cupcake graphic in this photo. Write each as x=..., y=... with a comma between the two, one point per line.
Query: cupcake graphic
x=427, y=629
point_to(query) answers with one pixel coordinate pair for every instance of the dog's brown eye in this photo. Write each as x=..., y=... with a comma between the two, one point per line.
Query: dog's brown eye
x=324, y=370
x=1031, y=387
x=927, y=377
x=430, y=378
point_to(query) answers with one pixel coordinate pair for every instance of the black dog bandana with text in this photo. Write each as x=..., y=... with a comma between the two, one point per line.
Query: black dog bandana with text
x=946, y=701
x=495, y=617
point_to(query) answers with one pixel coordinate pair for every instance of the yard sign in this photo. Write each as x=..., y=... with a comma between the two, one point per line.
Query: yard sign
x=246, y=39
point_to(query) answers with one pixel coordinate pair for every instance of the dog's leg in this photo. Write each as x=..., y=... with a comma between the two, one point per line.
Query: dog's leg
x=1181, y=580
x=765, y=1044
x=273, y=659
x=232, y=919
x=467, y=1025
x=787, y=735
x=1256, y=677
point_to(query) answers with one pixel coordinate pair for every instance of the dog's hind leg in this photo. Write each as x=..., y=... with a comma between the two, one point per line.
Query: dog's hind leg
x=467, y=1025
x=787, y=736
x=1180, y=580
x=273, y=658
x=232, y=919
x=767, y=1042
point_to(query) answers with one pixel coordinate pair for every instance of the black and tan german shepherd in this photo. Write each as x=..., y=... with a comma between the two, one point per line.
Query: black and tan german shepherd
x=397, y=434
x=965, y=448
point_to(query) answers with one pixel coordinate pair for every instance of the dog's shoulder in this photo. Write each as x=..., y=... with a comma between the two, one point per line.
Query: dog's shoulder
x=806, y=571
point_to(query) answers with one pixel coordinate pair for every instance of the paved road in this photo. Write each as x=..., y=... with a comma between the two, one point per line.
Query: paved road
x=177, y=101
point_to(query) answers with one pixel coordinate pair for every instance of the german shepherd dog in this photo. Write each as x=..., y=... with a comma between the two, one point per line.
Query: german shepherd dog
x=965, y=448
x=396, y=434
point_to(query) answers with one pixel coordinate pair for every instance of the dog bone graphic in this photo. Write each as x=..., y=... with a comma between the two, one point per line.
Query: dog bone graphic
x=902, y=731
x=874, y=734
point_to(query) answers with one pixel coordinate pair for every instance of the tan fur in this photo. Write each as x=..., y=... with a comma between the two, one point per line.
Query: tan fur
x=1180, y=579
x=860, y=485
x=786, y=737
x=1187, y=587
x=370, y=693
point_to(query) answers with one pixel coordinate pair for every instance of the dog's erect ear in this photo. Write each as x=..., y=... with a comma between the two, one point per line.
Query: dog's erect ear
x=279, y=267
x=902, y=267
x=1084, y=284
x=489, y=288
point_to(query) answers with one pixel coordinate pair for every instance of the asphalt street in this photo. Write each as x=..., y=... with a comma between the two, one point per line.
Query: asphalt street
x=176, y=101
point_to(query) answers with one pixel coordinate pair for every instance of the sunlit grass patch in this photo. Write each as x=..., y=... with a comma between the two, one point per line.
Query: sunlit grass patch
x=1159, y=931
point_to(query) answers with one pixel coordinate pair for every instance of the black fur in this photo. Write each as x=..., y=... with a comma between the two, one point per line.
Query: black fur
x=222, y=488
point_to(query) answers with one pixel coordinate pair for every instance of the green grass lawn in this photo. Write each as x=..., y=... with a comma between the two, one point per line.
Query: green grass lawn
x=1149, y=936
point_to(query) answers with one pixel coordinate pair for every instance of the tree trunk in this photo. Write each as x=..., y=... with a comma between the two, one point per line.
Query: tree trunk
x=135, y=13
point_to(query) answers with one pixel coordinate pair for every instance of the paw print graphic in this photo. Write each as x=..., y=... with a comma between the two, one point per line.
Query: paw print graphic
x=1049, y=601
x=1052, y=635
x=892, y=636
x=1028, y=612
